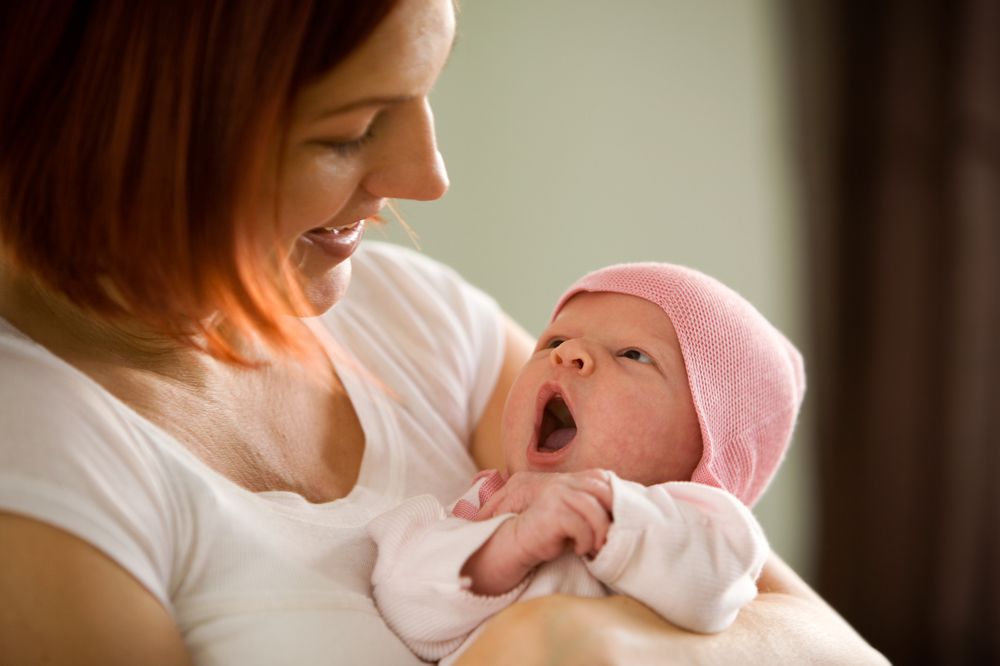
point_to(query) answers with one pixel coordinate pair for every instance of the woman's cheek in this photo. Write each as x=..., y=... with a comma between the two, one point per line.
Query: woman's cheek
x=315, y=194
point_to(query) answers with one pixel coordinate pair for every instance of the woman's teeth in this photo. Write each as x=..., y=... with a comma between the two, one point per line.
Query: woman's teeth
x=341, y=229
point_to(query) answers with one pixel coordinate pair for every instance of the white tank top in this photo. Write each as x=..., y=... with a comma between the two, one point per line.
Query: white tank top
x=263, y=578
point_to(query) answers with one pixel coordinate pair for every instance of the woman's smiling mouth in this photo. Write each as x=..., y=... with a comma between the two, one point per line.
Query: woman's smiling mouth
x=337, y=242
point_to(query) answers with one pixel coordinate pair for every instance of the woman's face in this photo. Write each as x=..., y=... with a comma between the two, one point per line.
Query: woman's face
x=361, y=135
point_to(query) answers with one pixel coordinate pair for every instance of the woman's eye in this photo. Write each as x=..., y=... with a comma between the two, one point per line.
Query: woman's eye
x=350, y=147
x=637, y=355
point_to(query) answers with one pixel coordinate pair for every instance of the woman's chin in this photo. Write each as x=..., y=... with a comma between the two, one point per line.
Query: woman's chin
x=322, y=292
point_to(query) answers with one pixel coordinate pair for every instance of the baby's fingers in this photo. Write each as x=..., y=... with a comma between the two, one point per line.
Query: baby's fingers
x=595, y=482
x=597, y=519
x=493, y=506
x=577, y=529
x=515, y=495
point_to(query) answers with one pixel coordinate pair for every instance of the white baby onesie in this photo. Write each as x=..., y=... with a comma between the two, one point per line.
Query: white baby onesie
x=689, y=551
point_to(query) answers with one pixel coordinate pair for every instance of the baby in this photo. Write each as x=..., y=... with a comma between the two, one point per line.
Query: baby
x=655, y=410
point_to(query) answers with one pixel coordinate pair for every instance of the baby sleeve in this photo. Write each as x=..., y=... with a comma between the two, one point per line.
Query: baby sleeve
x=689, y=551
x=417, y=584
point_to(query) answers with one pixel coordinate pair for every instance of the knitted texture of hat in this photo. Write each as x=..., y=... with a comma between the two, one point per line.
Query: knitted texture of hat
x=747, y=380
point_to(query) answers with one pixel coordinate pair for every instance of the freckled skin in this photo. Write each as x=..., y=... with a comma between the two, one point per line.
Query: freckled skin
x=634, y=418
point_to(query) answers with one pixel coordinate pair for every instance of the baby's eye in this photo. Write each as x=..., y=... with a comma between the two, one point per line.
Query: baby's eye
x=554, y=342
x=637, y=355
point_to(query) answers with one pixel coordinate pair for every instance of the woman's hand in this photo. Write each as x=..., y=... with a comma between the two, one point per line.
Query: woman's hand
x=786, y=623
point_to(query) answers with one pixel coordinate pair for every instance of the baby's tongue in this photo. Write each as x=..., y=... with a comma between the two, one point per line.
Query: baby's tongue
x=558, y=439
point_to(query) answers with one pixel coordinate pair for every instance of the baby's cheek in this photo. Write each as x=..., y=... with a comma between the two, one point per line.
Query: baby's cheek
x=641, y=450
x=612, y=444
x=514, y=415
x=643, y=440
x=516, y=424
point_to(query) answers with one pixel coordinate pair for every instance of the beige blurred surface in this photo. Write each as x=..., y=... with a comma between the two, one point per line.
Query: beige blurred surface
x=579, y=133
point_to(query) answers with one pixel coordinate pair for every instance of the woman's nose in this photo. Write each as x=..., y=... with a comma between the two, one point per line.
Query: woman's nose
x=573, y=354
x=409, y=165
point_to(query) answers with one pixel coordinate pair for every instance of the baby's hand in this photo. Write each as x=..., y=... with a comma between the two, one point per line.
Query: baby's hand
x=565, y=510
x=554, y=511
x=522, y=488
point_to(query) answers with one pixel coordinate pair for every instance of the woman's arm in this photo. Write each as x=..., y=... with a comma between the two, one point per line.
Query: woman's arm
x=485, y=447
x=786, y=623
x=64, y=602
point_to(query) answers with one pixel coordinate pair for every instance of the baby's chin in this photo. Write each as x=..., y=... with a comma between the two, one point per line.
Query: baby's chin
x=541, y=469
x=519, y=464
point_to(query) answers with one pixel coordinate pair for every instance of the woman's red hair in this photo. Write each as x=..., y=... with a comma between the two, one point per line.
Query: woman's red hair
x=134, y=138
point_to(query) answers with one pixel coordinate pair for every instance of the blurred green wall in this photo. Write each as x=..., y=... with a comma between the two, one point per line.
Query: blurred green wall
x=579, y=133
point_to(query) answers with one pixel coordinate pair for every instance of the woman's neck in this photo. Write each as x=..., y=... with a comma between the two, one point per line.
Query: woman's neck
x=99, y=345
x=70, y=332
x=277, y=426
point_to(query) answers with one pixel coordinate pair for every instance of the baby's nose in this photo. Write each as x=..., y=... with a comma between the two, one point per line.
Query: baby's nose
x=573, y=354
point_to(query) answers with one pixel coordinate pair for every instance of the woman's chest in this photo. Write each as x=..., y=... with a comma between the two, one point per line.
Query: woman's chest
x=300, y=438
x=270, y=578
x=273, y=430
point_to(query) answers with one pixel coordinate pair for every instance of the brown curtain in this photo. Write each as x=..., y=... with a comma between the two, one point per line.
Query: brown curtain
x=899, y=110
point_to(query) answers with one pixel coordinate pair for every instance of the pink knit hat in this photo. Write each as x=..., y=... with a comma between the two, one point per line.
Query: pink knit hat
x=746, y=378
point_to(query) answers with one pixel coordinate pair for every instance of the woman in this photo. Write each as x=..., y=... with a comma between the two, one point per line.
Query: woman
x=187, y=466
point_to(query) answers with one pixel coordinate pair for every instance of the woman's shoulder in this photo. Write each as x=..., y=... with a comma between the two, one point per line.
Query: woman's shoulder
x=401, y=272
x=421, y=301
x=39, y=390
x=62, y=431
x=424, y=330
x=72, y=458
x=388, y=253
x=55, y=418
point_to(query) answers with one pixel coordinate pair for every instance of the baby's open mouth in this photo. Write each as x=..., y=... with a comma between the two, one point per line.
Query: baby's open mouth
x=558, y=427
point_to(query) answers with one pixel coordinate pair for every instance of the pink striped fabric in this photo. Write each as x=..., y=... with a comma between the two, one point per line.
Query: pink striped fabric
x=492, y=481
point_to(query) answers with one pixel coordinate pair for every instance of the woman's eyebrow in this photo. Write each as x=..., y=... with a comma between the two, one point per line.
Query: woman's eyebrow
x=377, y=100
x=362, y=103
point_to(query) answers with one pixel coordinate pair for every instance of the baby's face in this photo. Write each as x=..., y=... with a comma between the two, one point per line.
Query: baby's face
x=606, y=387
